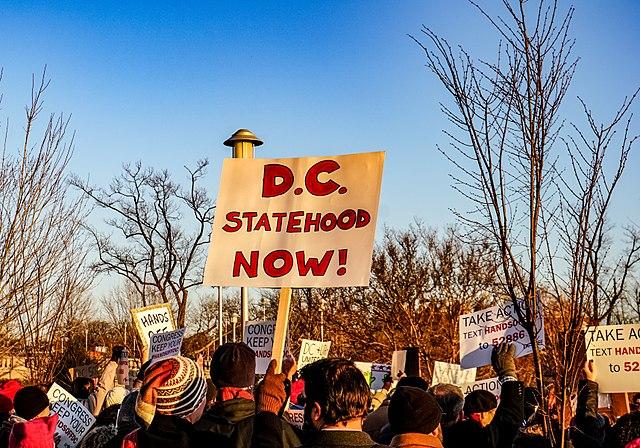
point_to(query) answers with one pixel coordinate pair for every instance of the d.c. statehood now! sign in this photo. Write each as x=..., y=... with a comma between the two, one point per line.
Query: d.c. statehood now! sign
x=304, y=222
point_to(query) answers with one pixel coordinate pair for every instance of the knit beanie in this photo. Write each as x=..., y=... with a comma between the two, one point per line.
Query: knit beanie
x=233, y=365
x=29, y=402
x=413, y=410
x=98, y=437
x=36, y=433
x=7, y=393
x=479, y=401
x=413, y=381
x=174, y=386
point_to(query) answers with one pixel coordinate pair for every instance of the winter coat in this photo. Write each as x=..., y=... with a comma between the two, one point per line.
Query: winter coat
x=106, y=382
x=5, y=429
x=339, y=439
x=502, y=430
x=415, y=440
x=165, y=431
x=376, y=421
x=36, y=433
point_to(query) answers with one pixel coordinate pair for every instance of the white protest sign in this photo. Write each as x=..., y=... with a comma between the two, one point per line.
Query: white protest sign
x=492, y=385
x=444, y=372
x=311, y=351
x=303, y=222
x=74, y=420
x=398, y=361
x=295, y=417
x=615, y=351
x=482, y=330
x=365, y=368
x=259, y=336
x=153, y=319
x=166, y=345
x=378, y=372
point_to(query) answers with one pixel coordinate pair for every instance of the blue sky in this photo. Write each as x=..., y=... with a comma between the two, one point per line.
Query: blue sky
x=168, y=82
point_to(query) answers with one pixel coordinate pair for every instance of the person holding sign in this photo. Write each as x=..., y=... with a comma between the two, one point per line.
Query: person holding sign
x=591, y=428
x=486, y=424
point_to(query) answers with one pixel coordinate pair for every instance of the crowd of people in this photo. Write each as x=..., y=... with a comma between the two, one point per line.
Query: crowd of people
x=172, y=404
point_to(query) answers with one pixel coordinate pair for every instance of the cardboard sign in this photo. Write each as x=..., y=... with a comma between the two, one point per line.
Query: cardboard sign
x=446, y=373
x=311, y=351
x=304, y=222
x=166, y=345
x=365, y=368
x=615, y=351
x=378, y=372
x=294, y=416
x=74, y=420
x=259, y=336
x=493, y=385
x=153, y=319
x=482, y=330
x=398, y=361
x=86, y=371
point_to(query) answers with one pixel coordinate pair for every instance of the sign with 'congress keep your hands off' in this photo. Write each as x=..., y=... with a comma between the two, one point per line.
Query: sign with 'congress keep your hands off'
x=303, y=222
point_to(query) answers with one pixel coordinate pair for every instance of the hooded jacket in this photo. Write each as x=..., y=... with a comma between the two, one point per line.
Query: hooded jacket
x=36, y=433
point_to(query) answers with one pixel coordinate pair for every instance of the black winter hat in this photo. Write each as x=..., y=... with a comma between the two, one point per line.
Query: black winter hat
x=413, y=381
x=233, y=365
x=479, y=401
x=29, y=402
x=413, y=410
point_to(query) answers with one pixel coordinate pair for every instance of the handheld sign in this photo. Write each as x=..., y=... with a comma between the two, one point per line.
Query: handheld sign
x=74, y=420
x=446, y=373
x=365, y=368
x=378, y=372
x=492, y=385
x=258, y=335
x=153, y=319
x=303, y=222
x=482, y=330
x=615, y=351
x=311, y=351
x=166, y=345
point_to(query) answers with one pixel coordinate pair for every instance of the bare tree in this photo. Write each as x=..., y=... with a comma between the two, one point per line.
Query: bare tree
x=506, y=124
x=43, y=280
x=161, y=232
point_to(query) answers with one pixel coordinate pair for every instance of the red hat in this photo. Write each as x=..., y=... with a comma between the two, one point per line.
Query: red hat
x=7, y=393
x=36, y=433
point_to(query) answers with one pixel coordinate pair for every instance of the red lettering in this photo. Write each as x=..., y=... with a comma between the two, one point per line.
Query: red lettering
x=364, y=218
x=263, y=222
x=328, y=222
x=234, y=217
x=280, y=216
x=314, y=186
x=293, y=225
x=347, y=219
x=249, y=217
x=250, y=267
x=317, y=268
x=269, y=263
x=273, y=172
x=311, y=221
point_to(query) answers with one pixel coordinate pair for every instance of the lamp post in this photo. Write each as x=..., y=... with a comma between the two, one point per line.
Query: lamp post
x=243, y=142
x=234, y=321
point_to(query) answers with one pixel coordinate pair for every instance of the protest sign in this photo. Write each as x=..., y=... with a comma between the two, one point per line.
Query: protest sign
x=365, y=368
x=398, y=361
x=303, y=222
x=311, y=351
x=378, y=372
x=153, y=319
x=294, y=416
x=86, y=371
x=259, y=336
x=482, y=330
x=492, y=385
x=443, y=372
x=615, y=351
x=74, y=420
x=165, y=345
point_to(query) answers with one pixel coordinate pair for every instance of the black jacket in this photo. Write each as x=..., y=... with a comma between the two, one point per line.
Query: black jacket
x=590, y=428
x=502, y=429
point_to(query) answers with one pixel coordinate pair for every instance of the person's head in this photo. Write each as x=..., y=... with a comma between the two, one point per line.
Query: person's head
x=451, y=401
x=115, y=396
x=233, y=365
x=387, y=382
x=98, y=437
x=413, y=381
x=116, y=352
x=336, y=392
x=108, y=416
x=31, y=402
x=480, y=406
x=7, y=393
x=175, y=387
x=626, y=430
x=635, y=402
x=413, y=410
x=82, y=387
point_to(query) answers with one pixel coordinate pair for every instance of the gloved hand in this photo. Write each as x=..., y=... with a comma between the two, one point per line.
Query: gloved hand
x=503, y=360
x=272, y=394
